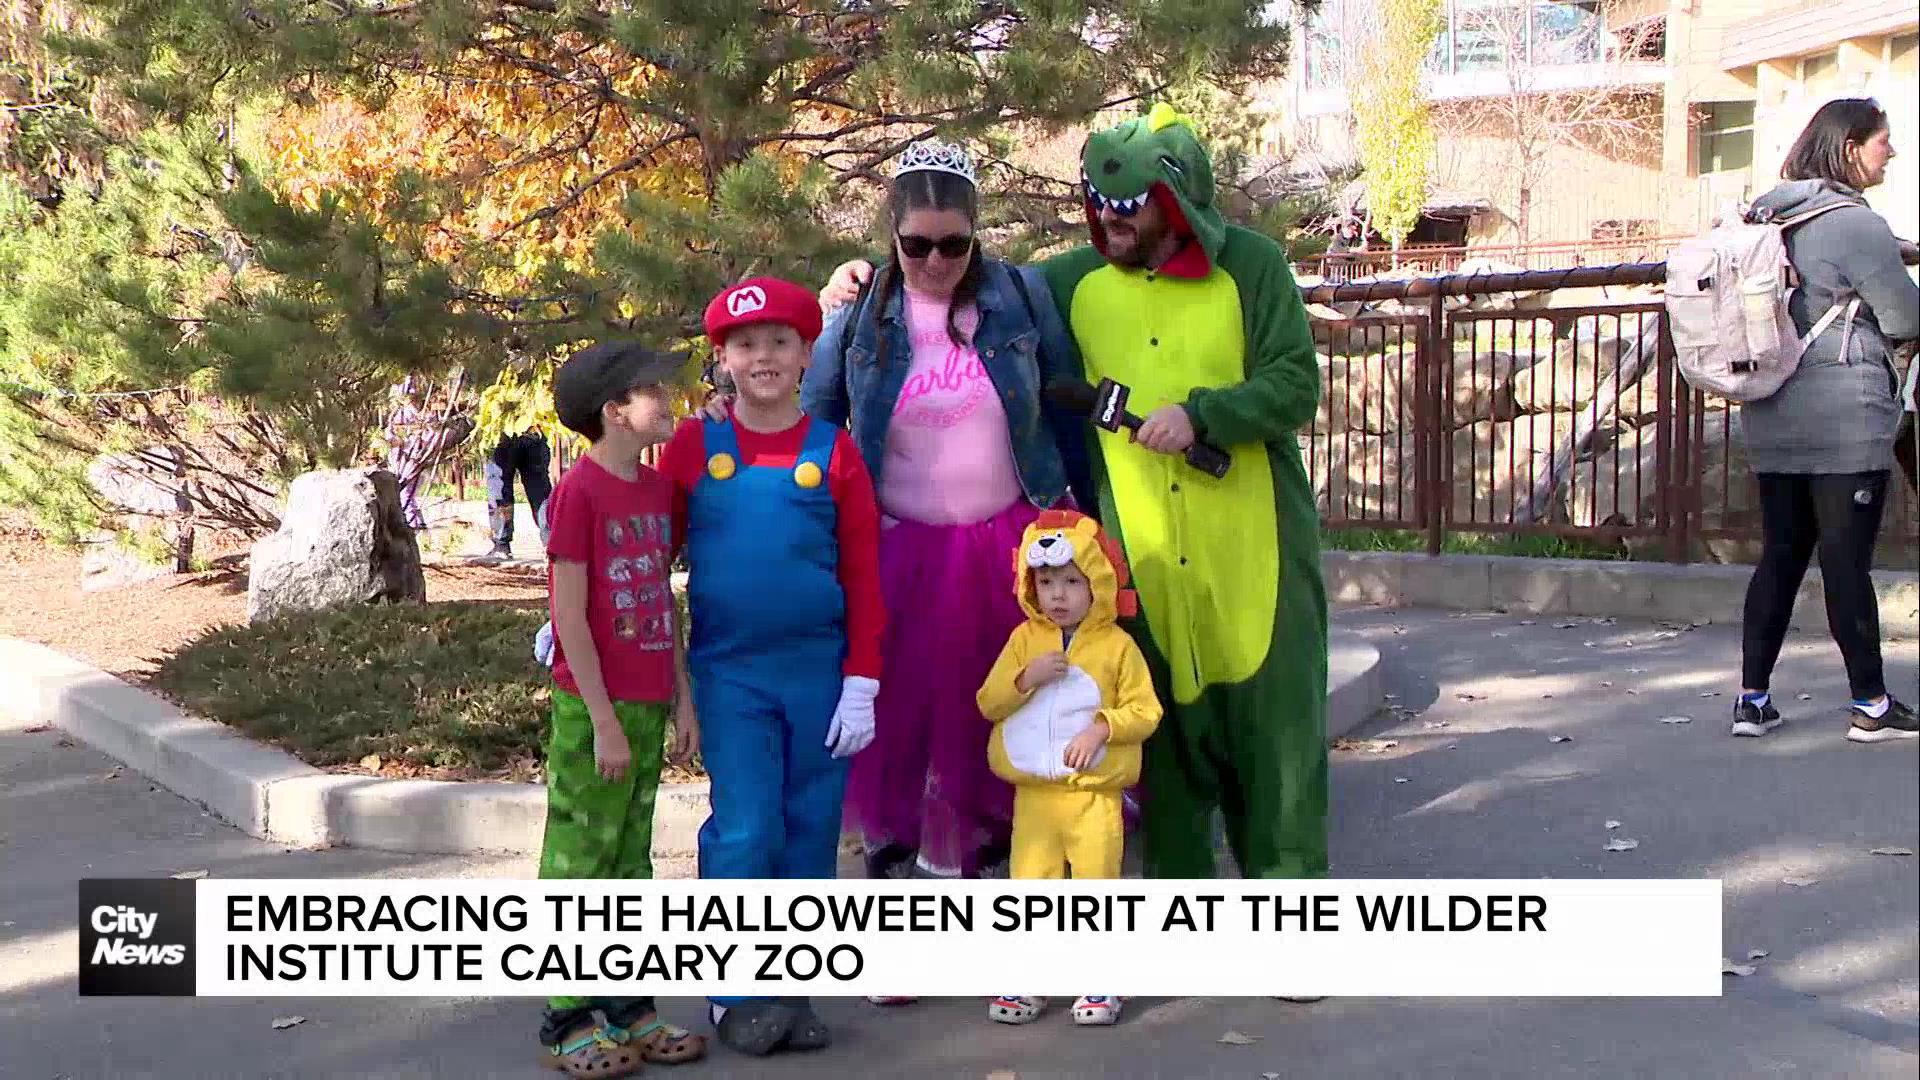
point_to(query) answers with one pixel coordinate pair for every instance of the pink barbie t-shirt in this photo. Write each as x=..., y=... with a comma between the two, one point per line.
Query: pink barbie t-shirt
x=949, y=460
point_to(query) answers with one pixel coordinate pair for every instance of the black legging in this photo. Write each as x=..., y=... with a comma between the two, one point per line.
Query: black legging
x=1838, y=513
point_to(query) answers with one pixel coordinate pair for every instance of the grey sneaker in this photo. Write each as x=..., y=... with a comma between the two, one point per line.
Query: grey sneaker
x=1896, y=723
x=1751, y=720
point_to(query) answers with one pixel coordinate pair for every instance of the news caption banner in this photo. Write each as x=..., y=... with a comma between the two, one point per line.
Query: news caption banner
x=434, y=938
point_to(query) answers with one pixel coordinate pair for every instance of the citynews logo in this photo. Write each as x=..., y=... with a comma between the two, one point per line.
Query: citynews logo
x=119, y=950
x=136, y=937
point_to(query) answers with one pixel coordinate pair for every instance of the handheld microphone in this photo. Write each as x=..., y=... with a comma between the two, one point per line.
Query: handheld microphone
x=1106, y=406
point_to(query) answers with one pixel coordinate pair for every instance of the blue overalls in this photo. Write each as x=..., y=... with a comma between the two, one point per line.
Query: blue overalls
x=768, y=641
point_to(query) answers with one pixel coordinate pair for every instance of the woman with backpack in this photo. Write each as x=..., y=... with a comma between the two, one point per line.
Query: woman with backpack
x=1822, y=447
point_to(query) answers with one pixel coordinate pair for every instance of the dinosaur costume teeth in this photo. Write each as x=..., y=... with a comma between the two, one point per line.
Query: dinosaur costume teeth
x=1102, y=201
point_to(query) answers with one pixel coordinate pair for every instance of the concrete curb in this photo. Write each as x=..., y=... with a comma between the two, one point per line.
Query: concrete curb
x=274, y=796
x=1633, y=590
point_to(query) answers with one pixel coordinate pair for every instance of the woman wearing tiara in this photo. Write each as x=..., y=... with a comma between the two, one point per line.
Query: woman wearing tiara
x=938, y=369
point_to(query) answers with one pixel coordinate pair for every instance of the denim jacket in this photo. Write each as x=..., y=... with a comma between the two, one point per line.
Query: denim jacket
x=1023, y=346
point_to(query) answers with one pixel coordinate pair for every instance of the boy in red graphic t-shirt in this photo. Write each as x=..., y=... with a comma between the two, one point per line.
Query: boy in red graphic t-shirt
x=617, y=667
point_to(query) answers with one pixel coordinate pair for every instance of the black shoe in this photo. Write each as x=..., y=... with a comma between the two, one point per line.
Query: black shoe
x=1753, y=720
x=755, y=1028
x=992, y=860
x=500, y=551
x=809, y=1032
x=1896, y=723
x=890, y=861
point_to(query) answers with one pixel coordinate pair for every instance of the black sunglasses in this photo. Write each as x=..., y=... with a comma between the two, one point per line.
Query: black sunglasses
x=919, y=247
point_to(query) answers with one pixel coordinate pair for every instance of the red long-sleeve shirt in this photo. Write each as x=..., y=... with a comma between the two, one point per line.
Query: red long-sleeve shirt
x=857, y=519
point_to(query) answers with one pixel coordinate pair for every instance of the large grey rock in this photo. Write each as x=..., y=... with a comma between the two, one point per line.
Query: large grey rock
x=342, y=540
x=1574, y=374
x=136, y=483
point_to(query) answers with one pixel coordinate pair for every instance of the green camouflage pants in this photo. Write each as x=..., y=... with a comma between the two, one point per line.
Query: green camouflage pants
x=600, y=829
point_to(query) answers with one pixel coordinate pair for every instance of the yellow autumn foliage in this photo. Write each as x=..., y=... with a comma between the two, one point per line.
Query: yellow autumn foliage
x=519, y=159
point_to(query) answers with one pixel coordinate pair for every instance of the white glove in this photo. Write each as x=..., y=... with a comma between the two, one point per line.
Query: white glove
x=852, y=726
x=543, y=644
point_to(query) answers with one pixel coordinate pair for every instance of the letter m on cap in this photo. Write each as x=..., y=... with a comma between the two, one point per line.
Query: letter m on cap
x=746, y=300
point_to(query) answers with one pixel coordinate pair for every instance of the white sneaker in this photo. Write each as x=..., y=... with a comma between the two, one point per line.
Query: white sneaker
x=1014, y=1009
x=1097, y=1011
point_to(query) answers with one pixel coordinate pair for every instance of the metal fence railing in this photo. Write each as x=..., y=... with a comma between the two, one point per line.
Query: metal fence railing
x=1546, y=403
x=1342, y=267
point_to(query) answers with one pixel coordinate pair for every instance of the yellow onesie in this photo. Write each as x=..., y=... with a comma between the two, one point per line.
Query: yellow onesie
x=1061, y=817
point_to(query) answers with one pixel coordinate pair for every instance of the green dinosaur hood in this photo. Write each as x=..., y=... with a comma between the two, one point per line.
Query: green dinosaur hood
x=1157, y=157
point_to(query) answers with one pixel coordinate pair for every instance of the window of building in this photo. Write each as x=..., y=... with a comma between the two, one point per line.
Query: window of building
x=1566, y=33
x=1902, y=53
x=1725, y=136
x=1820, y=75
x=1322, y=51
x=1487, y=35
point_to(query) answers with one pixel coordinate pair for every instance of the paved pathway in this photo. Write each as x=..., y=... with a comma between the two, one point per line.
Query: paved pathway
x=1487, y=794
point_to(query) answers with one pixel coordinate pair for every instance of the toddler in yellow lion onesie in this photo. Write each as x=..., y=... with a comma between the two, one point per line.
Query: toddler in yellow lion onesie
x=1071, y=701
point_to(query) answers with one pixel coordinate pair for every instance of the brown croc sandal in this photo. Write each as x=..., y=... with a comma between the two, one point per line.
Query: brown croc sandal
x=661, y=1043
x=594, y=1049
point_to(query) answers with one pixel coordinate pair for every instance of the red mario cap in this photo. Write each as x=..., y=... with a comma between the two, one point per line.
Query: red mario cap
x=764, y=300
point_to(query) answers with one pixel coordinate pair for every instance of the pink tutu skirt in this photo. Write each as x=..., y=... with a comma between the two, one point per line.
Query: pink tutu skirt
x=924, y=783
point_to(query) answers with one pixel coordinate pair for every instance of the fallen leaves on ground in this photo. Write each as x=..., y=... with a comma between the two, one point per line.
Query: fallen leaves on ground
x=1728, y=967
x=1621, y=843
x=281, y=1023
x=115, y=773
x=371, y=762
x=1892, y=851
x=1369, y=746
x=1800, y=882
x=1235, y=1038
x=1757, y=954
x=1559, y=738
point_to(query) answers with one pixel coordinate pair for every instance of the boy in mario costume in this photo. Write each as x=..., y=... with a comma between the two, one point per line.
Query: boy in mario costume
x=1071, y=700
x=782, y=542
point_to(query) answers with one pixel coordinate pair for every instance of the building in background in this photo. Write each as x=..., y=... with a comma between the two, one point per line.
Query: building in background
x=1606, y=120
x=1749, y=73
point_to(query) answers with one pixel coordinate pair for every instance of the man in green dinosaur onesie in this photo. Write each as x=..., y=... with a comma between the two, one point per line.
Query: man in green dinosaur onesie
x=1203, y=322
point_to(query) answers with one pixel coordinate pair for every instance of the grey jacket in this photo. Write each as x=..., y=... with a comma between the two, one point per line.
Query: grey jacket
x=1837, y=414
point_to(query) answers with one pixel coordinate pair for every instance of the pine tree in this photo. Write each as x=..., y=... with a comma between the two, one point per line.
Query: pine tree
x=774, y=106
x=290, y=297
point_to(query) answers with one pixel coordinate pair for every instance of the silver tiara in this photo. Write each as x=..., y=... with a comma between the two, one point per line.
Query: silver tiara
x=932, y=155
